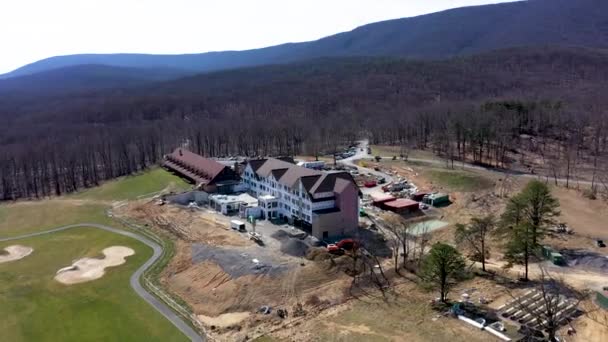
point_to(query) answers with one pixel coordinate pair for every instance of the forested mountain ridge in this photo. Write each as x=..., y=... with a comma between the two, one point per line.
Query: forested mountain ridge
x=56, y=144
x=81, y=78
x=462, y=31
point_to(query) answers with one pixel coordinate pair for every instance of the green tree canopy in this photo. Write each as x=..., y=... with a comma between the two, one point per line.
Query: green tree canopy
x=442, y=267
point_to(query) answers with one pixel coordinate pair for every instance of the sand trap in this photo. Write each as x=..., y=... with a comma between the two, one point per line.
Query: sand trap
x=88, y=269
x=224, y=320
x=15, y=252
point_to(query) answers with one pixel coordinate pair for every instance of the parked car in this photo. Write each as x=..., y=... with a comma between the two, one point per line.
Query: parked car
x=600, y=243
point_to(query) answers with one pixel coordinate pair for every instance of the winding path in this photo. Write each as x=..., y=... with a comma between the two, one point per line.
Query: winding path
x=457, y=165
x=134, y=281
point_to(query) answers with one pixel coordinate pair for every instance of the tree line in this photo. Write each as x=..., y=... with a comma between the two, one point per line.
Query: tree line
x=482, y=109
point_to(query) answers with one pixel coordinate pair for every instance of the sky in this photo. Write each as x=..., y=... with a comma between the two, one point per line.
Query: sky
x=31, y=30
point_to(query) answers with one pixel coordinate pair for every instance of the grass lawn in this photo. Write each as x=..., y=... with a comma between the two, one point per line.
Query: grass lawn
x=459, y=180
x=34, y=307
x=131, y=187
x=27, y=217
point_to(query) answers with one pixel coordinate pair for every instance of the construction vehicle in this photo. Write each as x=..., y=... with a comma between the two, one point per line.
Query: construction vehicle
x=343, y=245
x=257, y=237
x=562, y=228
x=370, y=183
x=394, y=187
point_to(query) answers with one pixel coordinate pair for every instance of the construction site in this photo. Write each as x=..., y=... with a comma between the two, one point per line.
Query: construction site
x=244, y=279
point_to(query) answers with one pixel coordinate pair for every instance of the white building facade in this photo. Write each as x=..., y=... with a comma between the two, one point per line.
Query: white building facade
x=288, y=191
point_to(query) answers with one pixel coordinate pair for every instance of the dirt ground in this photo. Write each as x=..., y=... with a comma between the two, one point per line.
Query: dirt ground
x=405, y=315
x=214, y=271
x=587, y=217
x=221, y=274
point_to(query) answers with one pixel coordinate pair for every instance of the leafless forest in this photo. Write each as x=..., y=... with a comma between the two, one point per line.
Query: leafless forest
x=544, y=108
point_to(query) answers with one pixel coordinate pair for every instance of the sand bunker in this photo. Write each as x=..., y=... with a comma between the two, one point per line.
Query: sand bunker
x=88, y=269
x=15, y=252
x=224, y=320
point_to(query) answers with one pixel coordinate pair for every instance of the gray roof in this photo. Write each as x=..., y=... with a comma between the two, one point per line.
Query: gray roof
x=289, y=174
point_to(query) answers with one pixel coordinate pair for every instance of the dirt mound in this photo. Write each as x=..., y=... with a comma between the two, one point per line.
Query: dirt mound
x=295, y=248
x=586, y=260
x=280, y=235
x=87, y=269
x=291, y=244
x=225, y=320
x=15, y=252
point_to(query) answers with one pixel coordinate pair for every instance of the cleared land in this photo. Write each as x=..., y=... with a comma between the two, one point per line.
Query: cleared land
x=464, y=181
x=35, y=307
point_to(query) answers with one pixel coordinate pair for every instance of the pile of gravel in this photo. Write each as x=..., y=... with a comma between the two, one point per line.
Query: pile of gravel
x=293, y=246
x=280, y=235
x=235, y=262
x=587, y=260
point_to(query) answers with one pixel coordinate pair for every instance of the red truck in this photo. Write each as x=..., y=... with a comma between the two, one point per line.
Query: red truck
x=370, y=184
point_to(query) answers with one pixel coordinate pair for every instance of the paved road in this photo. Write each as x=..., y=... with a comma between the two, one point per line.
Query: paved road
x=135, y=284
x=363, y=154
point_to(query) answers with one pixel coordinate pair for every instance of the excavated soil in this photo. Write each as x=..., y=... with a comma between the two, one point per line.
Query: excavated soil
x=88, y=269
x=15, y=252
x=224, y=320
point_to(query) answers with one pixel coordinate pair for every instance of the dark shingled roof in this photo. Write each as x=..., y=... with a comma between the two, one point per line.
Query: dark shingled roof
x=313, y=181
x=278, y=173
x=194, y=166
x=328, y=182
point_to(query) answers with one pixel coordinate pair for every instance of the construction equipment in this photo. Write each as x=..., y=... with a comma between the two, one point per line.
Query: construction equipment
x=561, y=228
x=370, y=183
x=334, y=249
x=343, y=245
x=257, y=237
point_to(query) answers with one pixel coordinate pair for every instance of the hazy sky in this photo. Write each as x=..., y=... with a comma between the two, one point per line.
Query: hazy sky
x=34, y=29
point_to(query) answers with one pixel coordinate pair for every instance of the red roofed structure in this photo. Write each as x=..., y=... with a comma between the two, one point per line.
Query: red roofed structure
x=402, y=206
x=206, y=173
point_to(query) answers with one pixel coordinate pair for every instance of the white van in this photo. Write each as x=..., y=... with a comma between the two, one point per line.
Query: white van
x=237, y=225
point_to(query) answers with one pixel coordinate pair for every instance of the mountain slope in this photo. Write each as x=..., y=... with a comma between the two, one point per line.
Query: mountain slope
x=444, y=34
x=85, y=78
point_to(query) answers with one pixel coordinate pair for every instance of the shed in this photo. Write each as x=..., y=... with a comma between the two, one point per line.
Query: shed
x=418, y=196
x=381, y=198
x=402, y=206
x=436, y=199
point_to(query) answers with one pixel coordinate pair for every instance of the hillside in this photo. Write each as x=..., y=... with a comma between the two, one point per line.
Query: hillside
x=288, y=109
x=85, y=78
x=462, y=31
